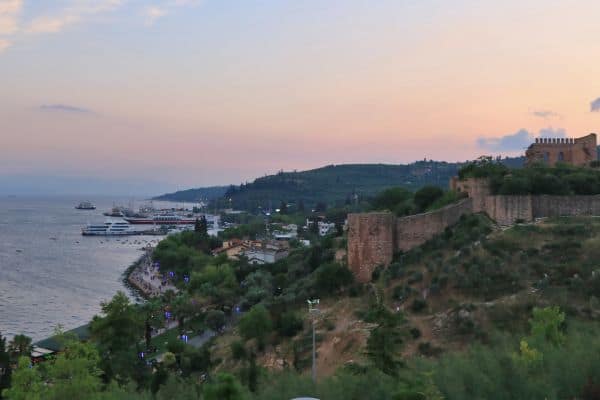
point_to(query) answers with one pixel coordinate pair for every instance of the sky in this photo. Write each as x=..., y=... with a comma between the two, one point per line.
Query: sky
x=150, y=96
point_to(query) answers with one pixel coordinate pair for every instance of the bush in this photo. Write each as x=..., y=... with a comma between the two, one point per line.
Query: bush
x=215, y=319
x=289, y=324
x=418, y=305
x=332, y=277
x=256, y=324
x=426, y=196
x=238, y=350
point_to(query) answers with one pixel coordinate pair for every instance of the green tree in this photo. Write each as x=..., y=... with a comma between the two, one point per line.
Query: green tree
x=201, y=226
x=74, y=373
x=283, y=208
x=117, y=334
x=224, y=387
x=331, y=277
x=256, y=324
x=4, y=365
x=20, y=346
x=153, y=318
x=426, y=196
x=215, y=319
x=26, y=382
x=546, y=325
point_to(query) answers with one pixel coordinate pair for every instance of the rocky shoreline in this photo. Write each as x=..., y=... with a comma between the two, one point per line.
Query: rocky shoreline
x=145, y=278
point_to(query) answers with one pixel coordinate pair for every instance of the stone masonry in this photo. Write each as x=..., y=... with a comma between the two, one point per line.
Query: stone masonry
x=579, y=151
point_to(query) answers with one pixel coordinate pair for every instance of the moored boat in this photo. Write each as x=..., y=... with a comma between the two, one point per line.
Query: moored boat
x=165, y=219
x=109, y=228
x=85, y=205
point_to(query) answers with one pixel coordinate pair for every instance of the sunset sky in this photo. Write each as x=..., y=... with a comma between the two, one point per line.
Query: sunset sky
x=150, y=96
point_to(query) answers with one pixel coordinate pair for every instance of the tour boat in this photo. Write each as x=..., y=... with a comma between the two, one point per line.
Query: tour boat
x=85, y=205
x=109, y=228
x=166, y=219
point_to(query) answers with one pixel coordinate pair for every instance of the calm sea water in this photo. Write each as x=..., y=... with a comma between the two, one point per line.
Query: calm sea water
x=49, y=273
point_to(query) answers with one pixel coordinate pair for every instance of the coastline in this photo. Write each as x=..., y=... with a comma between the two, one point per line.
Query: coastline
x=144, y=279
x=137, y=266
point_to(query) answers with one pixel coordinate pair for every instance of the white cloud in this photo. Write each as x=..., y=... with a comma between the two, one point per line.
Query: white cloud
x=9, y=16
x=4, y=44
x=153, y=13
x=79, y=10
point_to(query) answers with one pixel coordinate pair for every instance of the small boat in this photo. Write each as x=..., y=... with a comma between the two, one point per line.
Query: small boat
x=85, y=205
x=109, y=228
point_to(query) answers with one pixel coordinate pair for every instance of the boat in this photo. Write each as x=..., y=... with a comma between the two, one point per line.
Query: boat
x=114, y=212
x=163, y=219
x=109, y=228
x=85, y=205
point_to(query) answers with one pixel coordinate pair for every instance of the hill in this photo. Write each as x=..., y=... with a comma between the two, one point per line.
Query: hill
x=332, y=184
x=194, y=195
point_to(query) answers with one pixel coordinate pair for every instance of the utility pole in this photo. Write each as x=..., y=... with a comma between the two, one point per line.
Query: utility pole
x=313, y=311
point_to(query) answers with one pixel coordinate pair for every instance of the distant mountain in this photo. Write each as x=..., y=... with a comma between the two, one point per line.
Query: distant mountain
x=332, y=184
x=195, y=195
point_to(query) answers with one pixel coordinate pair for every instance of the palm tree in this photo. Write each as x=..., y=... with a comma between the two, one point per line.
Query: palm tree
x=20, y=346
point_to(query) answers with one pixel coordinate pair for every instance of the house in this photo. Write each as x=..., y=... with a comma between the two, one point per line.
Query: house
x=326, y=228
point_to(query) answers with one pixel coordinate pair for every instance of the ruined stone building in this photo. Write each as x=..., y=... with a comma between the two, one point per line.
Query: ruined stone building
x=575, y=151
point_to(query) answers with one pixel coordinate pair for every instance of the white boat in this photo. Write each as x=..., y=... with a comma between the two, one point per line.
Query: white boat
x=109, y=228
x=85, y=205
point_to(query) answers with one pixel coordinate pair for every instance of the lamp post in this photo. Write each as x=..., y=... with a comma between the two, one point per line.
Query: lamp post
x=313, y=311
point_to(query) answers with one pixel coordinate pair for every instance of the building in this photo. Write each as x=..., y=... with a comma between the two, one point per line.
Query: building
x=257, y=252
x=575, y=151
x=326, y=228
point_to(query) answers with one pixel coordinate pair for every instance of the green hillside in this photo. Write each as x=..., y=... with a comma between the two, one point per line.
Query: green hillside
x=194, y=195
x=332, y=184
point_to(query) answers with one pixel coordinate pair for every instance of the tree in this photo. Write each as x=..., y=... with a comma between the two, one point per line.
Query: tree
x=301, y=205
x=215, y=319
x=283, y=208
x=117, y=334
x=4, y=365
x=425, y=196
x=74, y=374
x=183, y=308
x=152, y=318
x=384, y=341
x=224, y=387
x=331, y=277
x=256, y=324
x=201, y=226
x=20, y=346
x=546, y=325
x=26, y=382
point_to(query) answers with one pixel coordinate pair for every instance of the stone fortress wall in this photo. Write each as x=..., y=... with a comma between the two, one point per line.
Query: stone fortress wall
x=574, y=151
x=373, y=238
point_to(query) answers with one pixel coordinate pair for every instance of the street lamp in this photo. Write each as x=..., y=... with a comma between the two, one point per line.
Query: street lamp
x=313, y=311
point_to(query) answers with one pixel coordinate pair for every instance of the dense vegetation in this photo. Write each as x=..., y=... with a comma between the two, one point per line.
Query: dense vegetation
x=536, y=179
x=476, y=312
x=403, y=202
x=195, y=195
x=333, y=185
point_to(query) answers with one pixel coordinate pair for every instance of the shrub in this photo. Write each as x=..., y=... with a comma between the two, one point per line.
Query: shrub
x=418, y=305
x=289, y=324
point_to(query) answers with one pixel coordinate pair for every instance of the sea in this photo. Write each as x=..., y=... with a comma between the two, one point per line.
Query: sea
x=51, y=275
